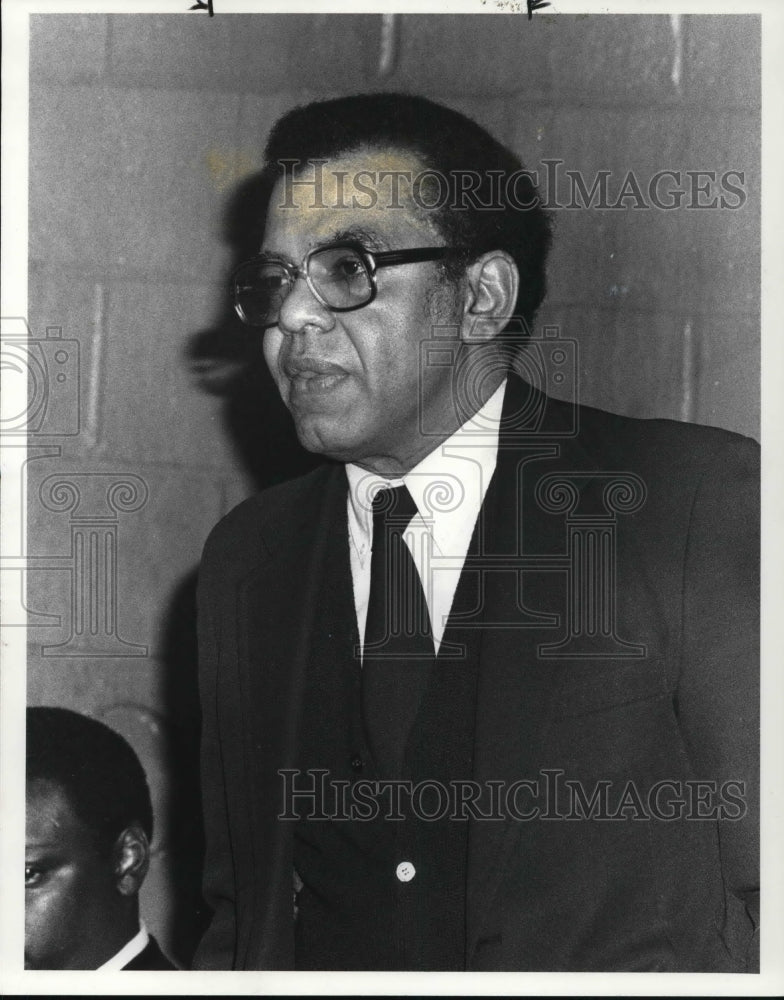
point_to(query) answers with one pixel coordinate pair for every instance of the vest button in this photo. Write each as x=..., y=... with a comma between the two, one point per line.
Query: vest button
x=405, y=871
x=357, y=763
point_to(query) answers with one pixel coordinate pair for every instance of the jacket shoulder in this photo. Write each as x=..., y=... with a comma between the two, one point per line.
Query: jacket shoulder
x=238, y=534
x=634, y=442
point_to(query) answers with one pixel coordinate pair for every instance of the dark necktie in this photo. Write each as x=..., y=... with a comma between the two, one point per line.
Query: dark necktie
x=398, y=651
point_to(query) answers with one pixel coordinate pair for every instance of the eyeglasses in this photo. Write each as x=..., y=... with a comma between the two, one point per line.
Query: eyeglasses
x=341, y=276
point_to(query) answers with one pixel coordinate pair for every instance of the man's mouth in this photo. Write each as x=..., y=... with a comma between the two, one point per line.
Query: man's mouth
x=312, y=377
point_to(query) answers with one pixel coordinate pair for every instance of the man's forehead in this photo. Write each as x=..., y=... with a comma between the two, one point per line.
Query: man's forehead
x=371, y=167
x=364, y=194
x=50, y=813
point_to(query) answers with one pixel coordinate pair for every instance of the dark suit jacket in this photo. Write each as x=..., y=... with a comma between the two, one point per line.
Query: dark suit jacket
x=662, y=687
x=151, y=959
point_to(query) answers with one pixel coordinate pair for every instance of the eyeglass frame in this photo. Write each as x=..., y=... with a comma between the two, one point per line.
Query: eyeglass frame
x=373, y=260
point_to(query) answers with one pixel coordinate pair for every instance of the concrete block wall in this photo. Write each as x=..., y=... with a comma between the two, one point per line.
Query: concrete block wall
x=140, y=129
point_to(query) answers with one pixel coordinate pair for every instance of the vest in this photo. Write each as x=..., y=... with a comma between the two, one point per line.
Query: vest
x=354, y=910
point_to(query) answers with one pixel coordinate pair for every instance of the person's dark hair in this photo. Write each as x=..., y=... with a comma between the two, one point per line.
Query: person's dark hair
x=94, y=766
x=444, y=141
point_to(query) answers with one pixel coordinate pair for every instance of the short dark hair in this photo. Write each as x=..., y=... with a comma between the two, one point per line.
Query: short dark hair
x=94, y=766
x=449, y=143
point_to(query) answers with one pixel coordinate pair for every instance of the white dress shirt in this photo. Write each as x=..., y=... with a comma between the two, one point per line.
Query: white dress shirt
x=448, y=486
x=134, y=947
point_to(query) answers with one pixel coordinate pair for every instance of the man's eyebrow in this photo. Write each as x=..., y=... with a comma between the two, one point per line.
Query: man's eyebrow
x=369, y=239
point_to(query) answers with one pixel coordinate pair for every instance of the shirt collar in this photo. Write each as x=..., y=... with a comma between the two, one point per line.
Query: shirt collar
x=129, y=951
x=458, y=471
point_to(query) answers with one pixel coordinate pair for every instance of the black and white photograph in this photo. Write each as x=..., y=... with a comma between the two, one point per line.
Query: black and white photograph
x=381, y=552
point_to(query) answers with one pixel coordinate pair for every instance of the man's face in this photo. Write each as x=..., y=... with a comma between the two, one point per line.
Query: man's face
x=351, y=379
x=69, y=885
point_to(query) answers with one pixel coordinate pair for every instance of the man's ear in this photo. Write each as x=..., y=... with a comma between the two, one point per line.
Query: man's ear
x=131, y=859
x=493, y=281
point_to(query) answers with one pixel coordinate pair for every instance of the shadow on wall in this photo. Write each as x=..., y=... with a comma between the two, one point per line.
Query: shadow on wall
x=228, y=361
x=227, y=358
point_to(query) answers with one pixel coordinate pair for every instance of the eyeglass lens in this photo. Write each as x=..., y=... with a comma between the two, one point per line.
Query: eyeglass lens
x=338, y=274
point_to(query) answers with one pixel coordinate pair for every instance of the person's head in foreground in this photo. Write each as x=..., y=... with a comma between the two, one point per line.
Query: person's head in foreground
x=416, y=234
x=89, y=825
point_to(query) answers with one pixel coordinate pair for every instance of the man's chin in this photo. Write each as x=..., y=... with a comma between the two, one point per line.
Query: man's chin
x=337, y=451
x=331, y=441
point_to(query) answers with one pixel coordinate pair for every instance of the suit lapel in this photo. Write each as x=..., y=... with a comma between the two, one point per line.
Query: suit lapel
x=516, y=687
x=288, y=585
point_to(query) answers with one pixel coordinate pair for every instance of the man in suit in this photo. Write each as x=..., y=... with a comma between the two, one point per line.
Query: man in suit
x=89, y=825
x=480, y=691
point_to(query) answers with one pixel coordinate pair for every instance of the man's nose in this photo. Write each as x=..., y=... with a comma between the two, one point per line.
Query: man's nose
x=301, y=310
